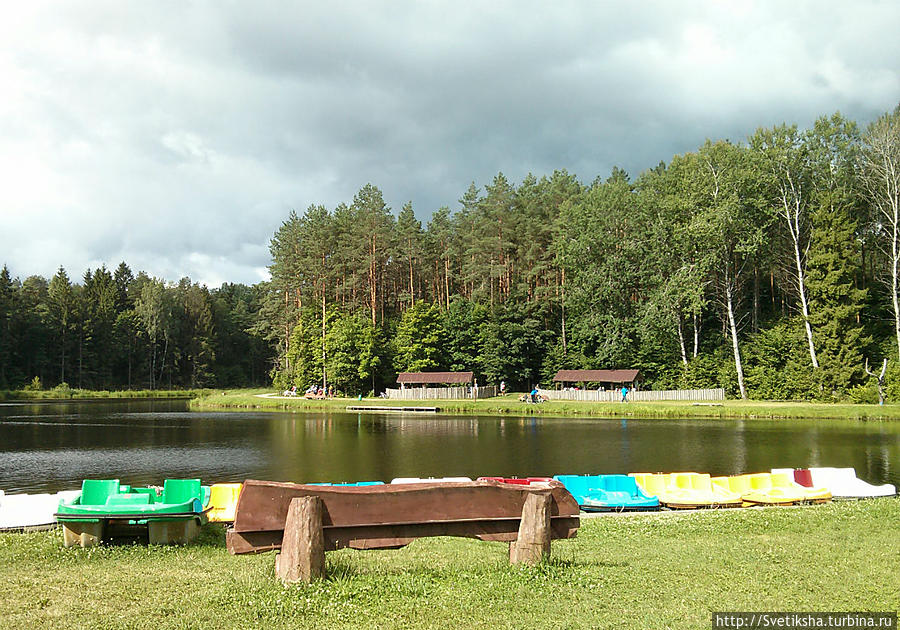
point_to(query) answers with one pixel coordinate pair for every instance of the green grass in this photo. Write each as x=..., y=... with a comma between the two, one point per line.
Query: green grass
x=667, y=570
x=87, y=394
x=509, y=404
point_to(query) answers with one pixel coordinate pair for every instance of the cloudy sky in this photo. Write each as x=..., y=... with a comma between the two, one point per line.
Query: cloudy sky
x=178, y=135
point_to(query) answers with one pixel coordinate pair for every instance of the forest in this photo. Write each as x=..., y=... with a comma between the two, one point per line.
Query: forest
x=768, y=267
x=116, y=330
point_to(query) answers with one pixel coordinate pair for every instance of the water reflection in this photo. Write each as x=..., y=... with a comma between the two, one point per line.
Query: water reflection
x=53, y=446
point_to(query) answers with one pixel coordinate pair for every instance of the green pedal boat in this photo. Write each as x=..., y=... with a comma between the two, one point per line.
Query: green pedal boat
x=172, y=516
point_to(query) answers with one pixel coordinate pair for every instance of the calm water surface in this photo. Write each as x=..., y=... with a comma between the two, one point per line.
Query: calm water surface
x=53, y=446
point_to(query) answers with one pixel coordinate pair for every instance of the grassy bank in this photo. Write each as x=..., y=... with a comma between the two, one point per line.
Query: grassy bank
x=509, y=404
x=662, y=570
x=66, y=393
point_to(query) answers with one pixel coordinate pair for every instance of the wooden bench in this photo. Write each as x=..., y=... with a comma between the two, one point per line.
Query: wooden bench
x=305, y=521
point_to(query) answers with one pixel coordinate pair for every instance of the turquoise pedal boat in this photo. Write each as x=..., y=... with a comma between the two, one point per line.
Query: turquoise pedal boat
x=607, y=493
x=172, y=516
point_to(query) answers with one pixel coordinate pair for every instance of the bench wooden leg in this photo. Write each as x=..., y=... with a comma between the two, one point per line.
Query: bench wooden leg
x=533, y=543
x=302, y=554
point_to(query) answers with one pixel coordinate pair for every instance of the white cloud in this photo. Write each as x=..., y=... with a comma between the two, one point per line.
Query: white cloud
x=178, y=136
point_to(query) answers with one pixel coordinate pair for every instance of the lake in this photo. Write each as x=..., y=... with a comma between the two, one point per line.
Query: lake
x=49, y=446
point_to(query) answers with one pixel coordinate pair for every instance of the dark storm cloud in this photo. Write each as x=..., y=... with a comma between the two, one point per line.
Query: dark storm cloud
x=178, y=136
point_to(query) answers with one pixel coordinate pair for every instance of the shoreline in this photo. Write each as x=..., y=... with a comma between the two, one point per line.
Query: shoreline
x=61, y=395
x=261, y=399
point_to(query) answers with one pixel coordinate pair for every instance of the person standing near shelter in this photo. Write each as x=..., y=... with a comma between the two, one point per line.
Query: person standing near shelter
x=624, y=393
x=502, y=387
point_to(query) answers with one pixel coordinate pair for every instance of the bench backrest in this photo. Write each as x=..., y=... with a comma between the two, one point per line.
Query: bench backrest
x=391, y=516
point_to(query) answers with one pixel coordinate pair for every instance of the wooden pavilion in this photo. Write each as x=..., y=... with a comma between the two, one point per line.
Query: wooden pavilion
x=604, y=379
x=424, y=379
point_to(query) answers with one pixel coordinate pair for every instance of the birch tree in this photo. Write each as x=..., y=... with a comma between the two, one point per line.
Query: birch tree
x=784, y=158
x=731, y=226
x=880, y=162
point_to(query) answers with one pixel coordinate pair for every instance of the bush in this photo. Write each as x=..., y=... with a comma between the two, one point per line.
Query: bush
x=62, y=391
x=35, y=385
x=892, y=382
x=864, y=394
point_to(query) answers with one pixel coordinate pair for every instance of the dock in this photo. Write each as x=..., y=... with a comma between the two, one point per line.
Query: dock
x=396, y=409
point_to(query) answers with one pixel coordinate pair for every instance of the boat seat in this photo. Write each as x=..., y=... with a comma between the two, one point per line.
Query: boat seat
x=803, y=477
x=739, y=484
x=223, y=499
x=691, y=481
x=619, y=483
x=98, y=491
x=652, y=484
x=132, y=498
x=150, y=492
x=181, y=491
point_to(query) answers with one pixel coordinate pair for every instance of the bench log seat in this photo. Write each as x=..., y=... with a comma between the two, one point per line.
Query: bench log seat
x=392, y=516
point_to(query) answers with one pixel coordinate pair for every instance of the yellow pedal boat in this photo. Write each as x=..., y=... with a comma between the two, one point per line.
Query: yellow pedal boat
x=223, y=499
x=784, y=482
x=686, y=490
x=757, y=489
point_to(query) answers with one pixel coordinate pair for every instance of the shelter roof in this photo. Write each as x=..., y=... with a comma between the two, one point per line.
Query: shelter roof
x=421, y=378
x=596, y=376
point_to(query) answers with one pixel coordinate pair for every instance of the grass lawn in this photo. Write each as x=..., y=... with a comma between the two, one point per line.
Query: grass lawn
x=509, y=404
x=666, y=570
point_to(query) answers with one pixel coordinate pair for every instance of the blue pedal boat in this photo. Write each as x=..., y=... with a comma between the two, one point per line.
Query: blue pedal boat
x=607, y=493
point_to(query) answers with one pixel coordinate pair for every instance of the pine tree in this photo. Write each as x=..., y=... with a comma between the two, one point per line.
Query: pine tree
x=834, y=265
x=61, y=307
x=834, y=261
x=409, y=233
x=6, y=318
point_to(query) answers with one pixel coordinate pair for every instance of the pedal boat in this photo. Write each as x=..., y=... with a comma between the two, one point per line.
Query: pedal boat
x=842, y=483
x=27, y=511
x=686, y=490
x=172, y=516
x=762, y=489
x=608, y=493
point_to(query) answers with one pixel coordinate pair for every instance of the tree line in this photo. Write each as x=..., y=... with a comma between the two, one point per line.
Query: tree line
x=115, y=330
x=769, y=267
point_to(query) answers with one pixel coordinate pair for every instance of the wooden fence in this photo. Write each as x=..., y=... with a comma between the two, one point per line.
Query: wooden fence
x=613, y=395
x=441, y=393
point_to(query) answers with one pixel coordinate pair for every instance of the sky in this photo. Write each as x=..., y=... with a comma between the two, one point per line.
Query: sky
x=177, y=136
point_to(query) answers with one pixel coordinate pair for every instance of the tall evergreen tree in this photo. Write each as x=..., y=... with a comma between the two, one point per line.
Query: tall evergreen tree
x=61, y=311
x=409, y=235
x=834, y=261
